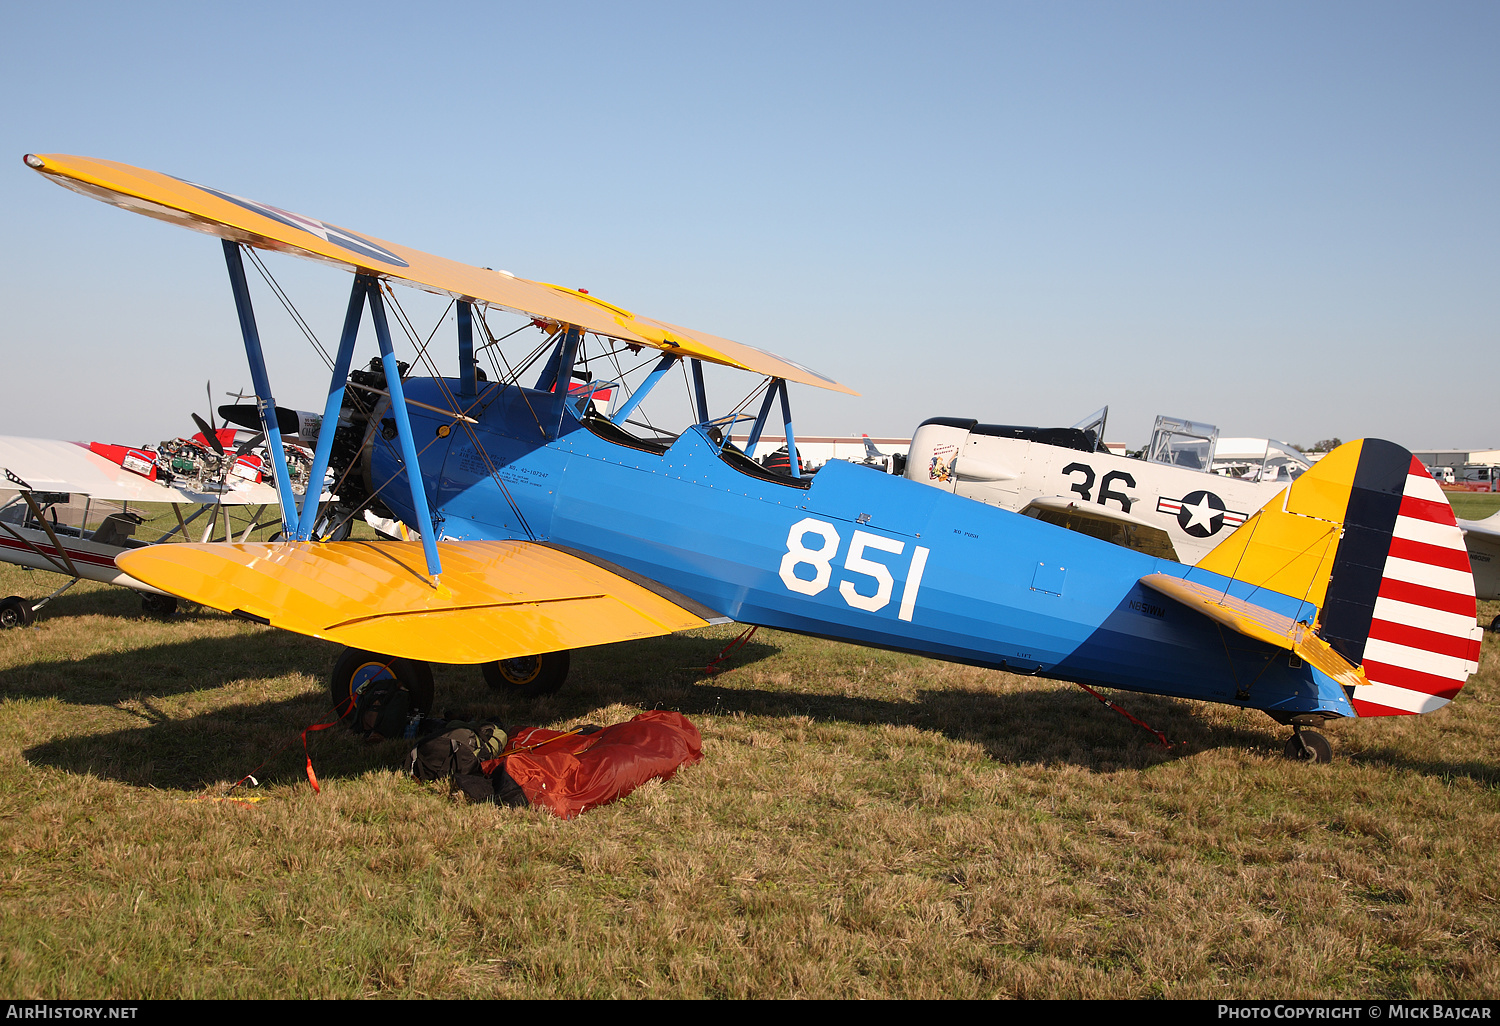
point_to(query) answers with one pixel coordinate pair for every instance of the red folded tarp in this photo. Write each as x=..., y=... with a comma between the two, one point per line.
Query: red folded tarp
x=569, y=773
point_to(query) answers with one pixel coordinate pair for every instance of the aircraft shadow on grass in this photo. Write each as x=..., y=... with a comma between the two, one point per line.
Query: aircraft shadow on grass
x=102, y=601
x=1060, y=726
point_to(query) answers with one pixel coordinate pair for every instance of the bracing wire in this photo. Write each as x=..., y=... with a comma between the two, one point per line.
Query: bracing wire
x=288, y=305
x=426, y=360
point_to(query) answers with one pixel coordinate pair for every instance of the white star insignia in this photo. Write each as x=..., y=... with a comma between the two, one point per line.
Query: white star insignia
x=1201, y=514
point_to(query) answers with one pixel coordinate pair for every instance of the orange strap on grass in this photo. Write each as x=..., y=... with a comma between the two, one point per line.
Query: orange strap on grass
x=1160, y=737
x=713, y=666
x=338, y=717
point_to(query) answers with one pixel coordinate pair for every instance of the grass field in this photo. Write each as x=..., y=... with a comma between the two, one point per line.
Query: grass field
x=1474, y=505
x=863, y=824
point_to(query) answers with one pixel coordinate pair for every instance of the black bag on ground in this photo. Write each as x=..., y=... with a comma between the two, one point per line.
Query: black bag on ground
x=382, y=710
x=456, y=752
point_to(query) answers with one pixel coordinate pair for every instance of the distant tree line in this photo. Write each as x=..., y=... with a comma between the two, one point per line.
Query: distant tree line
x=1321, y=445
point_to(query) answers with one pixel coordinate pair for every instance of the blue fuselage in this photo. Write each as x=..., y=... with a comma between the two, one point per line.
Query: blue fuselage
x=851, y=554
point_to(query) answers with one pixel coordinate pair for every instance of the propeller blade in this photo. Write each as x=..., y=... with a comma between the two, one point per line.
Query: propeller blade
x=246, y=415
x=246, y=446
x=210, y=434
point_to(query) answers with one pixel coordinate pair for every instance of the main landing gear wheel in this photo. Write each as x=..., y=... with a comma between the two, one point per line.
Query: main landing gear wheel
x=1495, y=625
x=1308, y=746
x=16, y=612
x=528, y=676
x=163, y=607
x=356, y=668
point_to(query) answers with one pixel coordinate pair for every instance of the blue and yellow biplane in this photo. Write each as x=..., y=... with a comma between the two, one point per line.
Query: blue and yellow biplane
x=534, y=522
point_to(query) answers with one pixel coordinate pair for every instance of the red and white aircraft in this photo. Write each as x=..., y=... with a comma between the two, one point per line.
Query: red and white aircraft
x=65, y=507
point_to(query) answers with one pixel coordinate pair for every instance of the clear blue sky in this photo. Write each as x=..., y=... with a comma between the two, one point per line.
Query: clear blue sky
x=1277, y=217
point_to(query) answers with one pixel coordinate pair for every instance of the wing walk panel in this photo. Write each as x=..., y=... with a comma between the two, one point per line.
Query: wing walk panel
x=496, y=599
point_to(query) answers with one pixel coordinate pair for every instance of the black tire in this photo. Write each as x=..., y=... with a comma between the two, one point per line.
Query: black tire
x=528, y=676
x=163, y=607
x=16, y=612
x=1495, y=625
x=1308, y=746
x=356, y=668
x=342, y=526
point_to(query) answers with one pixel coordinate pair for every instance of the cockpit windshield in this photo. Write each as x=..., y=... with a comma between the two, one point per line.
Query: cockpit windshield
x=1258, y=459
x=1094, y=424
x=1182, y=443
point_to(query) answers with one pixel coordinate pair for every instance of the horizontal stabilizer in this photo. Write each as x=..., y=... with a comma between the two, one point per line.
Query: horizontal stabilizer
x=1488, y=529
x=495, y=599
x=1058, y=504
x=1258, y=622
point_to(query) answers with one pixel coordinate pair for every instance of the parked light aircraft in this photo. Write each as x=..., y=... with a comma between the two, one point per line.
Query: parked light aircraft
x=891, y=463
x=546, y=525
x=69, y=507
x=1167, y=504
x=1482, y=539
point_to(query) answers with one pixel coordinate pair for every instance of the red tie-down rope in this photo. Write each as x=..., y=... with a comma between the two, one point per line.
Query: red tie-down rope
x=713, y=666
x=338, y=717
x=312, y=778
x=1160, y=737
x=342, y=709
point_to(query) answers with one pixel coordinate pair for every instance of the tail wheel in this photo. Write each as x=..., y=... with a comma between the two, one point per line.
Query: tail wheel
x=528, y=676
x=356, y=668
x=16, y=612
x=163, y=607
x=1308, y=746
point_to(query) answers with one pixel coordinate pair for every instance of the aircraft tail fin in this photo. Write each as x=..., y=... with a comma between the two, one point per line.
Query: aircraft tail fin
x=1367, y=536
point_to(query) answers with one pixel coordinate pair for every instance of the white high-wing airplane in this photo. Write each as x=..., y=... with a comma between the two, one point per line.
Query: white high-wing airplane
x=1482, y=539
x=1170, y=504
x=66, y=508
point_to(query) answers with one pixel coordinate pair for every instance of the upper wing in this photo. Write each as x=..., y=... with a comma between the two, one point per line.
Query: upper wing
x=496, y=599
x=45, y=465
x=258, y=224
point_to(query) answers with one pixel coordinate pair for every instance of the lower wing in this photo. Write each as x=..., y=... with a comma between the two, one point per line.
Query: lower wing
x=495, y=599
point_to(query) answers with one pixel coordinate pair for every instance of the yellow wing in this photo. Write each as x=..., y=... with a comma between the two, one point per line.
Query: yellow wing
x=258, y=224
x=496, y=599
x=1260, y=623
